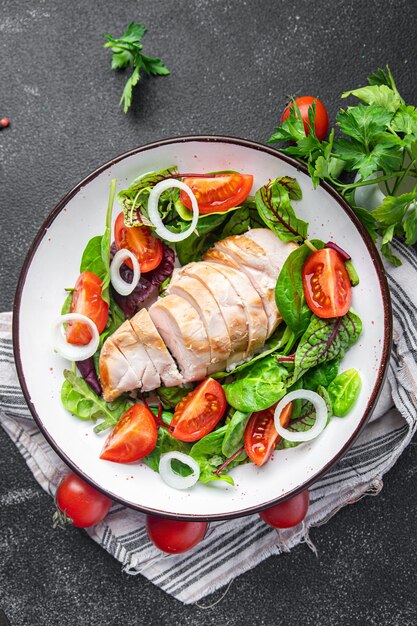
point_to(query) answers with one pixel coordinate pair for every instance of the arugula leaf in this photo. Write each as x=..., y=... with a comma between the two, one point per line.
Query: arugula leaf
x=79, y=399
x=258, y=387
x=128, y=51
x=274, y=207
x=325, y=340
x=381, y=95
x=289, y=292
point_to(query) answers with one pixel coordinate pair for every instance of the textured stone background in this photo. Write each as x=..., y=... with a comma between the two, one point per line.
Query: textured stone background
x=233, y=64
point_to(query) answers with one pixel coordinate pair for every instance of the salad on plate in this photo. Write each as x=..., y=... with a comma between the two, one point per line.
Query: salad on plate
x=206, y=329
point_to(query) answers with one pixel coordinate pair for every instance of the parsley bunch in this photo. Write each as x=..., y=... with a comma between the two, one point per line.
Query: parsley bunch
x=378, y=139
x=128, y=51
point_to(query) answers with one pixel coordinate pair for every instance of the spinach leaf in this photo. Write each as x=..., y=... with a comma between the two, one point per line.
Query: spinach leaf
x=233, y=439
x=257, y=387
x=321, y=375
x=324, y=340
x=344, y=391
x=274, y=207
x=289, y=293
x=208, y=454
x=79, y=399
x=96, y=255
x=134, y=199
x=116, y=319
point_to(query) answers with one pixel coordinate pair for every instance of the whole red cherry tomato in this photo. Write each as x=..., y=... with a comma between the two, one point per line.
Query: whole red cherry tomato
x=321, y=121
x=288, y=513
x=174, y=536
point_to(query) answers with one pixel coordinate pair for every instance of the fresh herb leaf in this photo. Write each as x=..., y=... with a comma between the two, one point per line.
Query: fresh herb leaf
x=274, y=206
x=380, y=95
x=128, y=51
x=364, y=123
x=393, y=209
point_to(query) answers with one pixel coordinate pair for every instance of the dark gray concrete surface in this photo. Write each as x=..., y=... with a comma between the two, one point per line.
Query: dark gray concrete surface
x=233, y=64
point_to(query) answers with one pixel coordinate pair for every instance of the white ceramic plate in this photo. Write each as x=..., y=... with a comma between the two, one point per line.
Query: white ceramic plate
x=53, y=262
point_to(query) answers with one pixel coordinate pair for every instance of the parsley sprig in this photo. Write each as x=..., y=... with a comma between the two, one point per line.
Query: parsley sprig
x=377, y=145
x=128, y=51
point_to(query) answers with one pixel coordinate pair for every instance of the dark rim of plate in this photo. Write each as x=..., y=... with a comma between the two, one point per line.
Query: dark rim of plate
x=376, y=259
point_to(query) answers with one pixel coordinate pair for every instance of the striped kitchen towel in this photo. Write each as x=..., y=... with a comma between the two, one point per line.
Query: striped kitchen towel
x=232, y=547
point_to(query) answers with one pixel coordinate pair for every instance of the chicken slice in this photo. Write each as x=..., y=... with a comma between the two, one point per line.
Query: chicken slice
x=257, y=322
x=116, y=373
x=127, y=341
x=201, y=298
x=277, y=251
x=164, y=364
x=184, y=334
x=229, y=306
x=259, y=265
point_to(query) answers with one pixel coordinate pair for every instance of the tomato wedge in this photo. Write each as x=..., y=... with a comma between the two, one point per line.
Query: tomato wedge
x=261, y=437
x=199, y=412
x=217, y=193
x=86, y=299
x=139, y=240
x=326, y=284
x=133, y=437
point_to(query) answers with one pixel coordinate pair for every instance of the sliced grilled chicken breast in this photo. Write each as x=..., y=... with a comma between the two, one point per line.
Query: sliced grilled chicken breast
x=201, y=298
x=116, y=373
x=183, y=332
x=257, y=322
x=126, y=340
x=164, y=364
x=251, y=258
x=229, y=305
x=277, y=251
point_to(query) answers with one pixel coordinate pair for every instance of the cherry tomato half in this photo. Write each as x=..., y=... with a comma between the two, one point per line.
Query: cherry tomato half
x=321, y=121
x=260, y=436
x=199, y=412
x=87, y=300
x=288, y=513
x=139, y=240
x=326, y=284
x=80, y=502
x=174, y=536
x=217, y=193
x=133, y=437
